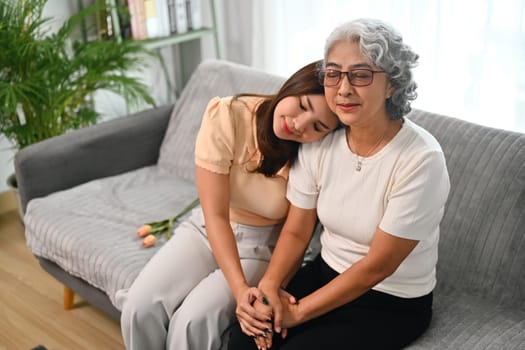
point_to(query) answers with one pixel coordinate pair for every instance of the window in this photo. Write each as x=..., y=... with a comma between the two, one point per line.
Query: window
x=482, y=40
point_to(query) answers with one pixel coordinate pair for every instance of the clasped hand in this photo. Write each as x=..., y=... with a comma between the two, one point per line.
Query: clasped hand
x=260, y=314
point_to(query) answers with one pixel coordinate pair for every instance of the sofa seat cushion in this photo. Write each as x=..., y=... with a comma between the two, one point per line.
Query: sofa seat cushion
x=464, y=322
x=90, y=230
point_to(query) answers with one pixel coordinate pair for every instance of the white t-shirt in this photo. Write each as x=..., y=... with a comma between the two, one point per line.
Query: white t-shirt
x=402, y=189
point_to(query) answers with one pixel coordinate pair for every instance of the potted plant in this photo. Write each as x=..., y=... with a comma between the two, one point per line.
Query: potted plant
x=47, y=80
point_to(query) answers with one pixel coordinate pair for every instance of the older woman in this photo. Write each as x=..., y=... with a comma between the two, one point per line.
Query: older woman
x=379, y=188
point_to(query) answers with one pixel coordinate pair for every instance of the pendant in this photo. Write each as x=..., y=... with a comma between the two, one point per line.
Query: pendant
x=358, y=166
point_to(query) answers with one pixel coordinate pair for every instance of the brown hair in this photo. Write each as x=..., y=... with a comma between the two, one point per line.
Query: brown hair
x=277, y=152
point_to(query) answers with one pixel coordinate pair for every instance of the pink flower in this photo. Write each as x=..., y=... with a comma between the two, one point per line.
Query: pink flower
x=149, y=231
x=144, y=230
x=149, y=241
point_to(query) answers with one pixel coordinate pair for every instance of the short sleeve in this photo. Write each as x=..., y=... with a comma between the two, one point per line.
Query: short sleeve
x=417, y=199
x=303, y=189
x=214, y=147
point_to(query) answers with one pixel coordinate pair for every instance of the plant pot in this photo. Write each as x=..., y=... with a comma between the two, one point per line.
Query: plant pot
x=13, y=185
x=11, y=182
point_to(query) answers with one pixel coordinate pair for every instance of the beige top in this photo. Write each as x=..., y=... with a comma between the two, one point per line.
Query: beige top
x=227, y=144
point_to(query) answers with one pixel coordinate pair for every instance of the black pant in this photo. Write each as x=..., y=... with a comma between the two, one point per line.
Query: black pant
x=373, y=321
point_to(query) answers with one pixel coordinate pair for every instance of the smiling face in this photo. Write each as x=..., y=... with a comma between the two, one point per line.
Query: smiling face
x=303, y=119
x=356, y=105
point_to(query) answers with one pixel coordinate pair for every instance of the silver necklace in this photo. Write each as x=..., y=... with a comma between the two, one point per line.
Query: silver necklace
x=359, y=164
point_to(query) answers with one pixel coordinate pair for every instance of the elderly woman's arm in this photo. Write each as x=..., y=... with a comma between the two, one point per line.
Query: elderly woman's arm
x=386, y=253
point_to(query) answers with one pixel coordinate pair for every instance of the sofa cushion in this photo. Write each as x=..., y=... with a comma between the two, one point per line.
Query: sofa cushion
x=465, y=322
x=212, y=78
x=80, y=228
x=482, y=232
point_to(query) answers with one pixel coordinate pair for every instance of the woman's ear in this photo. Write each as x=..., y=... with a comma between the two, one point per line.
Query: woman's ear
x=390, y=91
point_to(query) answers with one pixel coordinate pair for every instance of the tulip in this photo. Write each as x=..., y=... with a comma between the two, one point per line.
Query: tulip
x=149, y=241
x=144, y=230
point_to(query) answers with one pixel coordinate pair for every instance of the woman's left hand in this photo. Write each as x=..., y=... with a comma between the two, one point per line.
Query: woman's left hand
x=290, y=312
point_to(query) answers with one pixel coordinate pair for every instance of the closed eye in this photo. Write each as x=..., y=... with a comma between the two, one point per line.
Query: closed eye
x=301, y=104
x=321, y=127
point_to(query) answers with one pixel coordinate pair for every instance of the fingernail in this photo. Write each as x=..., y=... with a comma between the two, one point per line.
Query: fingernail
x=269, y=330
x=264, y=301
x=278, y=330
x=269, y=320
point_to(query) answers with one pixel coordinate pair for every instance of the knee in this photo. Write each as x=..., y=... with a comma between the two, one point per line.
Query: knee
x=143, y=310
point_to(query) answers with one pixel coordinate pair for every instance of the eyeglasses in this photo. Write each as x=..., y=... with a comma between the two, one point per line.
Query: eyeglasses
x=356, y=77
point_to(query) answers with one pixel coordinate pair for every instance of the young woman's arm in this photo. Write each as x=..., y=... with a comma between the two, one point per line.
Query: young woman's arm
x=286, y=260
x=214, y=195
x=287, y=257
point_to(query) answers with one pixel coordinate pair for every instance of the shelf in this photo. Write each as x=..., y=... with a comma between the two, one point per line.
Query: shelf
x=156, y=43
x=160, y=42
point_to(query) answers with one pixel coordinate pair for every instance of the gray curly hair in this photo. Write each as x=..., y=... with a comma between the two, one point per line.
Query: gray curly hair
x=383, y=46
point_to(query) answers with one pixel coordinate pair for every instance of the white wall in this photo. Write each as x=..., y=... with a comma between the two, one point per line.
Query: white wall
x=6, y=163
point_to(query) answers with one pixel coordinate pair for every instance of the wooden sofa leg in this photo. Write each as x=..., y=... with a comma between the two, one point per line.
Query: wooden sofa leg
x=69, y=297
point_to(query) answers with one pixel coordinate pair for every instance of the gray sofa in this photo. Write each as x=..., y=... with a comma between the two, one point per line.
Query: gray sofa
x=85, y=193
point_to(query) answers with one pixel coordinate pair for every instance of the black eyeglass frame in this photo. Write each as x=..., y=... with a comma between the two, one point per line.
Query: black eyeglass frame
x=349, y=75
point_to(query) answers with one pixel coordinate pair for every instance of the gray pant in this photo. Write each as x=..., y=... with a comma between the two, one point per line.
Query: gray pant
x=181, y=300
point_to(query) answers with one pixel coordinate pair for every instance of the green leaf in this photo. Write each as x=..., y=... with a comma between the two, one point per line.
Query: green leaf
x=46, y=80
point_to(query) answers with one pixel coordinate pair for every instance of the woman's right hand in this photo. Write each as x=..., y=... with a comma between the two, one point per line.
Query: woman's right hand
x=254, y=321
x=264, y=341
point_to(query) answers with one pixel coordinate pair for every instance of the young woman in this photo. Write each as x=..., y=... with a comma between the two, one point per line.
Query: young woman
x=185, y=297
x=379, y=187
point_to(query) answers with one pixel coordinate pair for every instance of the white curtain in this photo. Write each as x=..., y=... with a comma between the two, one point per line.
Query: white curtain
x=472, y=52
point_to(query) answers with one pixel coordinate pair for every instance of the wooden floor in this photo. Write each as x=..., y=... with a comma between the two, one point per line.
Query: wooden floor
x=31, y=303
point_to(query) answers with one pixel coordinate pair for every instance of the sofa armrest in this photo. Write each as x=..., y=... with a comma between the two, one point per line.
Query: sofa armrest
x=106, y=149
